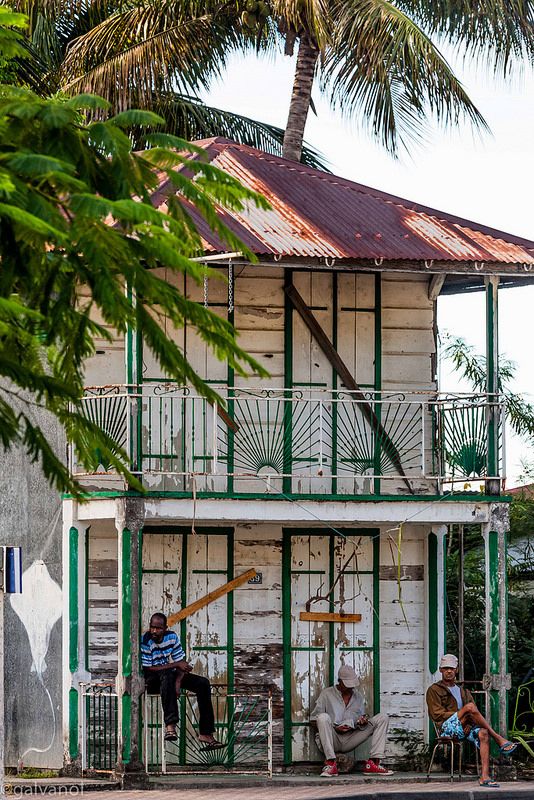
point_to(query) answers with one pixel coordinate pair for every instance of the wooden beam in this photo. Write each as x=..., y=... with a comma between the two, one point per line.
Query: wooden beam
x=227, y=419
x=319, y=616
x=346, y=376
x=209, y=598
x=435, y=286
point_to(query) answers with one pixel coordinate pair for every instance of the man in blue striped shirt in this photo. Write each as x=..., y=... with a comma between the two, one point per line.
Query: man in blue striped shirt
x=166, y=671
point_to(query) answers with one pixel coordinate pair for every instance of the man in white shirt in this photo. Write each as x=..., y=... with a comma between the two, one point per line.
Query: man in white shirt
x=342, y=725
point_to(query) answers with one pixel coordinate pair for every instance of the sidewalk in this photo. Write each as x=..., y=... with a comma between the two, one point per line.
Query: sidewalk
x=281, y=787
x=346, y=788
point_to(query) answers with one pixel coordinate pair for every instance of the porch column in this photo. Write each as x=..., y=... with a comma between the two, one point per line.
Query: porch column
x=129, y=683
x=435, y=606
x=74, y=633
x=497, y=679
x=492, y=383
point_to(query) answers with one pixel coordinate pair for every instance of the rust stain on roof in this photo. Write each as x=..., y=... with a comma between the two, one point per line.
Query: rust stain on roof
x=316, y=214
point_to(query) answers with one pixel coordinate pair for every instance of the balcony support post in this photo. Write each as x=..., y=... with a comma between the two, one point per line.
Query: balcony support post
x=435, y=638
x=492, y=383
x=129, y=682
x=74, y=634
x=496, y=679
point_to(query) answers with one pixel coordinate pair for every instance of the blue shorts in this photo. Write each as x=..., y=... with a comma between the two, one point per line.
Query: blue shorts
x=453, y=727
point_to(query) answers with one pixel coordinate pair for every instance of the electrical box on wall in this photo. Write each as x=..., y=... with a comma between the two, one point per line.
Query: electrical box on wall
x=11, y=569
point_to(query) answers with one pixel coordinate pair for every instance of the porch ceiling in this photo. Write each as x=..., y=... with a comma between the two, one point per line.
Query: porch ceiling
x=316, y=216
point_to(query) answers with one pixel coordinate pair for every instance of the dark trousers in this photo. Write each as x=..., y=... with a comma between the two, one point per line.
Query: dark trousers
x=164, y=682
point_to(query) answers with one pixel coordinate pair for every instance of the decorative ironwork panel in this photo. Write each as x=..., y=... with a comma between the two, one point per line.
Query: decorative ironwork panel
x=99, y=727
x=243, y=722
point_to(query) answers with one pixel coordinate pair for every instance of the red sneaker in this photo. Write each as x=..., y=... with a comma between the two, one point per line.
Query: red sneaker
x=329, y=769
x=372, y=768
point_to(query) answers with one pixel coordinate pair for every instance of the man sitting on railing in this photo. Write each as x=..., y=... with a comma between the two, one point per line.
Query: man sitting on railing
x=166, y=671
x=453, y=710
x=342, y=725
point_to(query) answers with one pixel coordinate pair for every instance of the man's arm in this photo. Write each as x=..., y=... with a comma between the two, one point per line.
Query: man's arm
x=320, y=708
x=183, y=665
x=436, y=712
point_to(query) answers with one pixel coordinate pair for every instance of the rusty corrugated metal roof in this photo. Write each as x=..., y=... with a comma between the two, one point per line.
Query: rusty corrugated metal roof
x=315, y=214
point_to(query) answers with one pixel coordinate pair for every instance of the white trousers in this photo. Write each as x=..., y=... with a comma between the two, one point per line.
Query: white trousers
x=331, y=742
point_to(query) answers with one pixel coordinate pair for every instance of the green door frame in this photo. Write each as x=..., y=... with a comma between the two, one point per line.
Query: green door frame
x=288, y=648
x=186, y=533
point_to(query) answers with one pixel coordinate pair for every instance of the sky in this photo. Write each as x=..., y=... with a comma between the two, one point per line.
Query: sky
x=486, y=178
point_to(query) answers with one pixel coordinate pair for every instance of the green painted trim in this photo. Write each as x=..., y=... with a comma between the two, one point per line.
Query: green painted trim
x=432, y=571
x=86, y=599
x=126, y=729
x=288, y=648
x=286, y=638
x=230, y=610
x=376, y=622
x=378, y=369
x=126, y=593
x=230, y=380
x=73, y=599
x=444, y=573
x=183, y=636
x=335, y=322
x=491, y=373
x=463, y=497
x=73, y=724
x=494, y=602
x=288, y=381
x=331, y=608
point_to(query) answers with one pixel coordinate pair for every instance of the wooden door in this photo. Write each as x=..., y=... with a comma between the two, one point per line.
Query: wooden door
x=180, y=567
x=342, y=569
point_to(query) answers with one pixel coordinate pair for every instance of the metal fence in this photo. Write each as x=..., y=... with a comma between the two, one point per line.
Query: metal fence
x=99, y=723
x=314, y=437
x=243, y=722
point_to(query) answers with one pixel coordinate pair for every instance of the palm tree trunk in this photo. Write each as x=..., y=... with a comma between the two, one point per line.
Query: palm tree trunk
x=300, y=98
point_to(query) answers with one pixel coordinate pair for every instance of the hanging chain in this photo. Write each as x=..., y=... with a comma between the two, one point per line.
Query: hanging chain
x=205, y=291
x=230, y=288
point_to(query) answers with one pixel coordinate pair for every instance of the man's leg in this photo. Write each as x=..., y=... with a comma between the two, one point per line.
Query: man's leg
x=167, y=689
x=202, y=688
x=470, y=715
x=380, y=724
x=483, y=738
x=326, y=733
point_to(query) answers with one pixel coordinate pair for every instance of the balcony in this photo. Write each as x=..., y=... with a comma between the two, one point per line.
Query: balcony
x=304, y=442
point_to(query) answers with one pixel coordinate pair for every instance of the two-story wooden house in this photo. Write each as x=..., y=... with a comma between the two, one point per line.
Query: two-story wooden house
x=335, y=480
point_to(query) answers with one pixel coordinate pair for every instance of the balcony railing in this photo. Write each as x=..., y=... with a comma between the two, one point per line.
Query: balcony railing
x=300, y=441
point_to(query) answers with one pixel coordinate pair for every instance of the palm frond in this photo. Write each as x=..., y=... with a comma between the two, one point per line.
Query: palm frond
x=498, y=31
x=382, y=65
x=191, y=119
x=150, y=47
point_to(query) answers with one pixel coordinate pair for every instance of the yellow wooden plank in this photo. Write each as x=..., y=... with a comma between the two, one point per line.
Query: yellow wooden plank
x=209, y=598
x=320, y=616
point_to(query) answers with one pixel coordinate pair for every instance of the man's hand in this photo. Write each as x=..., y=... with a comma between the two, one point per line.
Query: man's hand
x=183, y=665
x=362, y=721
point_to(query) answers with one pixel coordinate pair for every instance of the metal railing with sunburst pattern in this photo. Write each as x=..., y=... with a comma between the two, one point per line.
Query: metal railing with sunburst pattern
x=299, y=441
x=243, y=725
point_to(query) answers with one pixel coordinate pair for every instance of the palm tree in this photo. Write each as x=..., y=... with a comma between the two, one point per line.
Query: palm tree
x=149, y=55
x=380, y=59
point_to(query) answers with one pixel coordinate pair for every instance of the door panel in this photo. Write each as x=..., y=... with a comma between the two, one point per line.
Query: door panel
x=341, y=568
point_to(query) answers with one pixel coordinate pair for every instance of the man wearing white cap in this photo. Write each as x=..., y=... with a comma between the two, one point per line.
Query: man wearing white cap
x=455, y=713
x=342, y=725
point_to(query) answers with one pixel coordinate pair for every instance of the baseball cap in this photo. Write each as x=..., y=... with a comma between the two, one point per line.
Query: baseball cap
x=348, y=676
x=448, y=660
